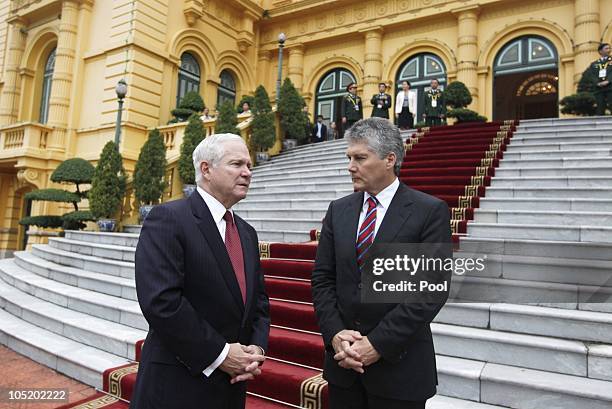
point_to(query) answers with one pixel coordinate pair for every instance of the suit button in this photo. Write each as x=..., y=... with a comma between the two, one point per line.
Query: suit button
x=360, y=286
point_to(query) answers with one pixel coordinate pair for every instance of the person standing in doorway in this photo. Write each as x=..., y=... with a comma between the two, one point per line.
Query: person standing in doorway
x=434, y=107
x=405, y=107
x=351, y=109
x=603, y=70
x=381, y=102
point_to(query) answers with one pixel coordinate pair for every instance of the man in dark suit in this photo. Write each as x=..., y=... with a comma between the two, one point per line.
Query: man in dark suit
x=381, y=102
x=377, y=356
x=319, y=130
x=200, y=287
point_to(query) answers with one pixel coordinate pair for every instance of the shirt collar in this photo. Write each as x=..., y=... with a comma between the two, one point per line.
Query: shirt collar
x=216, y=208
x=385, y=196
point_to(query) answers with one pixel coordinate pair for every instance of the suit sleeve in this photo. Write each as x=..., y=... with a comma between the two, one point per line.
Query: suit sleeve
x=392, y=336
x=443, y=103
x=343, y=108
x=324, y=294
x=373, y=100
x=159, y=284
x=261, y=313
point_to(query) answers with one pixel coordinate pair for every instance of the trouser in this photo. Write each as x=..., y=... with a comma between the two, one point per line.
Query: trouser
x=604, y=100
x=356, y=397
x=347, y=125
x=433, y=121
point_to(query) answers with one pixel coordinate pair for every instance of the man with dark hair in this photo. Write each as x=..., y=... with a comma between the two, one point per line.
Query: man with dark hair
x=377, y=356
x=434, y=106
x=351, y=109
x=602, y=68
x=381, y=102
x=319, y=130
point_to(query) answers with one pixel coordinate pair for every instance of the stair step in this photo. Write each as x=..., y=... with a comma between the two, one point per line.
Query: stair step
x=76, y=360
x=115, y=309
x=571, y=218
x=553, y=171
x=548, y=163
x=546, y=203
x=114, y=239
x=553, y=192
x=43, y=262
x=552, y=181
x=83, y=328
x=119, y=253
x=542, y=232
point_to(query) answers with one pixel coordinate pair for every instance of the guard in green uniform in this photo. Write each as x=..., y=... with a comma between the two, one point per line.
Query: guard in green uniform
x=434, y=106
x=381, y=102
x=603, y=70
x=351, y=109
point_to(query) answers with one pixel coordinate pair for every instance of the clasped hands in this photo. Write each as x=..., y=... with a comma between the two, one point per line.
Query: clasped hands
x=353, y=350
x=603, y=83
x=243, y=362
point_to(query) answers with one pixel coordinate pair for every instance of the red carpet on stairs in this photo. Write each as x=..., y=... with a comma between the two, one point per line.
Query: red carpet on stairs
x=454, y=163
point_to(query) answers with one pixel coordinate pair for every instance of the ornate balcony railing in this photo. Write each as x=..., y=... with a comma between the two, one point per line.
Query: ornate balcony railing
x=23, y=136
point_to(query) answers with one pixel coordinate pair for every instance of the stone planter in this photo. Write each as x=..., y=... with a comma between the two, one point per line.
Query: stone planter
x=262, y=157
x=289, y=144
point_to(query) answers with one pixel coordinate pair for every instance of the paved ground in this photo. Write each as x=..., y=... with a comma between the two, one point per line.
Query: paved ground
x=19, y=372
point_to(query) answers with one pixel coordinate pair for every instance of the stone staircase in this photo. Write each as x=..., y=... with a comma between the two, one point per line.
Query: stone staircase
x=71, y=304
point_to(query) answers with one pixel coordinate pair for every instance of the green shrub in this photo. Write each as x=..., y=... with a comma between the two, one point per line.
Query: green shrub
x=457, y=95
x=226, y=120
x=264, y=133
x=465, y=115
x=293, y=120
x=194, y=133
x=72, y=171
x=582, y=103
x=190, y=104
x=108, y=184
x=50, y=222
x=75, y=220
x=419, y=125
x=149, y=170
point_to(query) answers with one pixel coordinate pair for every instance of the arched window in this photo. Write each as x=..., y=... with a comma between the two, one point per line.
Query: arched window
x=46, y=88
x=526, y=80
x=419, y=70
x=189, y=76
x=330, y=90
x=227, y=88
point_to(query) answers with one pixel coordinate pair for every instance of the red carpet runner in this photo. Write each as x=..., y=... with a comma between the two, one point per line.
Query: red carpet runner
x=454, y=163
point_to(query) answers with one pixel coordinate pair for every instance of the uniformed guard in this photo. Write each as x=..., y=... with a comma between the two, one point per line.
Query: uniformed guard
x=381, y=102
x=603, y=70
x=434, y=106
x=351, y=109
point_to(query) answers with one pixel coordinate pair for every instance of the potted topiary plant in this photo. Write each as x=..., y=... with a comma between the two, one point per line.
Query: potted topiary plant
x=458, y=97
x=293, y=120
x=107, y=187
x=263, y=131
x=194, y=133
x=191, y=103
x=149, y=173
x=75, y=171
x=583, y=102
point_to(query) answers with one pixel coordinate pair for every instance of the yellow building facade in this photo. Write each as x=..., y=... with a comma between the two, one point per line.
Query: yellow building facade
x=61, y=59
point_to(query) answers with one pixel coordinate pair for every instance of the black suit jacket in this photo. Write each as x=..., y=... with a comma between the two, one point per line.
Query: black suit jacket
x=399, y=332
x=323, y=133
x=190, y=297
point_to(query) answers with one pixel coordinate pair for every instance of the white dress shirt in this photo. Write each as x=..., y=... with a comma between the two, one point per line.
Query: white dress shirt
x=319, y=127
x=384, y=199
x=218, y=211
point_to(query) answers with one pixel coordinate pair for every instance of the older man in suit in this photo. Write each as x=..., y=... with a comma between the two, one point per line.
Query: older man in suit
x=377, y=356
x=201, y=290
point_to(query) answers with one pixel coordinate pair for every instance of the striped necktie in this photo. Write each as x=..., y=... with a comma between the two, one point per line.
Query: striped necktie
x=366, y=231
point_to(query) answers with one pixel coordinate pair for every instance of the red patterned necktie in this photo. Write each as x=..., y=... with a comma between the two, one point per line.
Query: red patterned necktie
x=366, y=231
x=234, y=250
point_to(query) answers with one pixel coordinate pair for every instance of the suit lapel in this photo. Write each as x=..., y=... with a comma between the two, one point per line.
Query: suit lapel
x=398, y=212
x=209, y=230
x=348, y=233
